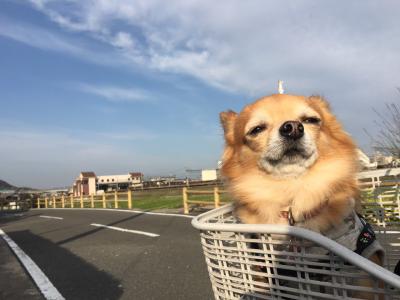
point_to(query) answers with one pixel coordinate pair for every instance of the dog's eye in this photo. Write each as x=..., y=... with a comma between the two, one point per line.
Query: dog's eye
x=311, y=120
x=256, y=130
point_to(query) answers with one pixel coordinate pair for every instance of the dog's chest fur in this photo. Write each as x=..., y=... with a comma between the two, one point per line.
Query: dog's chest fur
x=260, y=200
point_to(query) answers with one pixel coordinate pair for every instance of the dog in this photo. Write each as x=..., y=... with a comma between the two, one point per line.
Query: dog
x=287, y=160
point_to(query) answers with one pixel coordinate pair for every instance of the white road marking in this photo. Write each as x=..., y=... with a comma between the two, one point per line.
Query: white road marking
x=126, y=230
x=51, y=217
x=48, y=290
x=158, y=214
x=388, y=231
x=122, y=210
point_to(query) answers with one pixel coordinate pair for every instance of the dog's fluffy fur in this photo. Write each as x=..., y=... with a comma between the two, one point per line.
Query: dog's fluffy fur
x=314, y=175
x=268, y=174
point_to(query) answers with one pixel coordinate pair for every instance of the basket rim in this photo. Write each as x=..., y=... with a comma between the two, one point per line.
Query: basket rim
x=200, y=223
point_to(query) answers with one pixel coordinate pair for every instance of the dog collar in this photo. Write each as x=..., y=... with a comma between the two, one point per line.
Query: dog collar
x=287, y=214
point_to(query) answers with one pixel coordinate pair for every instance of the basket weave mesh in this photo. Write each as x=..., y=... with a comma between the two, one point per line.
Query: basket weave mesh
x=280, y=262
x=244, y=265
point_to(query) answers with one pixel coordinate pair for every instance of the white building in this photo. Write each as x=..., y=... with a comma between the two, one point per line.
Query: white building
x=364, y=161
x=87, y=183
x=383, y=160
x=124, y=181
x=207, y=175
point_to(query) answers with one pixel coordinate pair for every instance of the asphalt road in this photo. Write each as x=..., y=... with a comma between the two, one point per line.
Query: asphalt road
x=87, y=262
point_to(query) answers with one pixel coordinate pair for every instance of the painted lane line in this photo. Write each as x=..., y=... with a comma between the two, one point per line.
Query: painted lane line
x=48, y=290
x=160, y=214
x=121, y=210
x=126, y=230
x=51, y=217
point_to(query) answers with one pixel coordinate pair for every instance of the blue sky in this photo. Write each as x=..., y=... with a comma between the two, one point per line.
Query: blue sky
x=118, y=86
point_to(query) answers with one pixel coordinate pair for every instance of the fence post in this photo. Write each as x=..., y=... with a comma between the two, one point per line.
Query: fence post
x=81, y=200
x=104, y=200
x=45, y=202
x=129, y=199
x=54, y=201
x=91, y=201
x=72, y=200
x=398, y=196
x=115, y=199
x=62, y=201
x=185, y=200
x=216, y=197
x=38, y=202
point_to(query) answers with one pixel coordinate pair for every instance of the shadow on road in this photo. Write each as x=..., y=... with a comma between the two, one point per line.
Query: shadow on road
x=97, y=229
x=7, y=217
x=72, y=276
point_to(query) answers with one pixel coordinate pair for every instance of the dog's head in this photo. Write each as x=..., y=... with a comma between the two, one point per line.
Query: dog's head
x=282, y=135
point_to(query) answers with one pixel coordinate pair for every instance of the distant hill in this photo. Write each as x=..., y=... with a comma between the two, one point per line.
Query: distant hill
x=6, y=186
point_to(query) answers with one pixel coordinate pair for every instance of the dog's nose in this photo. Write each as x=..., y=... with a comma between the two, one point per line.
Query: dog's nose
x=292, y=130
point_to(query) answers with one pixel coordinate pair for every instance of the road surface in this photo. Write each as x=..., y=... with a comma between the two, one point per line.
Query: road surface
x=104, y=254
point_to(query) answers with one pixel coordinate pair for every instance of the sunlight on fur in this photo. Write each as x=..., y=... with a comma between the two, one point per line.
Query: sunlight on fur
x=269, y=170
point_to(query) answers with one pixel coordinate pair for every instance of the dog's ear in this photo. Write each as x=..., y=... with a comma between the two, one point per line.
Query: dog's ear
x=319, y=102
x=323, y=108
x=228, y=119
x=334, y=129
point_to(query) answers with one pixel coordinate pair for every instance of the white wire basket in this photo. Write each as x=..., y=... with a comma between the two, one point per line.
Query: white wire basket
x=247, y=261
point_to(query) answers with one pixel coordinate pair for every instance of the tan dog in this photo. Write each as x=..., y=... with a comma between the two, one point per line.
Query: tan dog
x=288, y=160
x=289, y=152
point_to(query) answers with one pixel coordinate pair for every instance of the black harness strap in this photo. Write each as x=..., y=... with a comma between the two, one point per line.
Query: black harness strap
x=365, y=238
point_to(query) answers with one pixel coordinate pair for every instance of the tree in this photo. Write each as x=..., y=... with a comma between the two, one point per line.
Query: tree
x=387, y=140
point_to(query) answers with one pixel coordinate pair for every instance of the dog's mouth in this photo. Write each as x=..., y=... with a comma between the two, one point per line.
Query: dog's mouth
x=290, y=155
x=284, y=159
x=295, y=151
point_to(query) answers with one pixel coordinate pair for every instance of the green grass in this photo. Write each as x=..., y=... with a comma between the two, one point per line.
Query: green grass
x=158, y=202
x=172, y=198
x=165, y=199
x=149, y=199
x=154, y=201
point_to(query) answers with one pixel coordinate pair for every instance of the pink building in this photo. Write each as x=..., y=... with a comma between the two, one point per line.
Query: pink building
x=85, y=184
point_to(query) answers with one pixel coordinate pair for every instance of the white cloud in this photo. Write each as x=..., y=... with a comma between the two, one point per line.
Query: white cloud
x=123, y=40
x=36, y=37
x=246, y=46
x=47, y=145
x=50, y=41
x=116, y=94
x=48, y=158
x=344, y=50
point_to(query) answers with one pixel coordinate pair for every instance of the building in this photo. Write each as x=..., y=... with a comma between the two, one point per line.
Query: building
x=119, y=182
x=87, y=183
x=159, y=181
x=207, y=175
x=365, y=162
x=383, y=161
